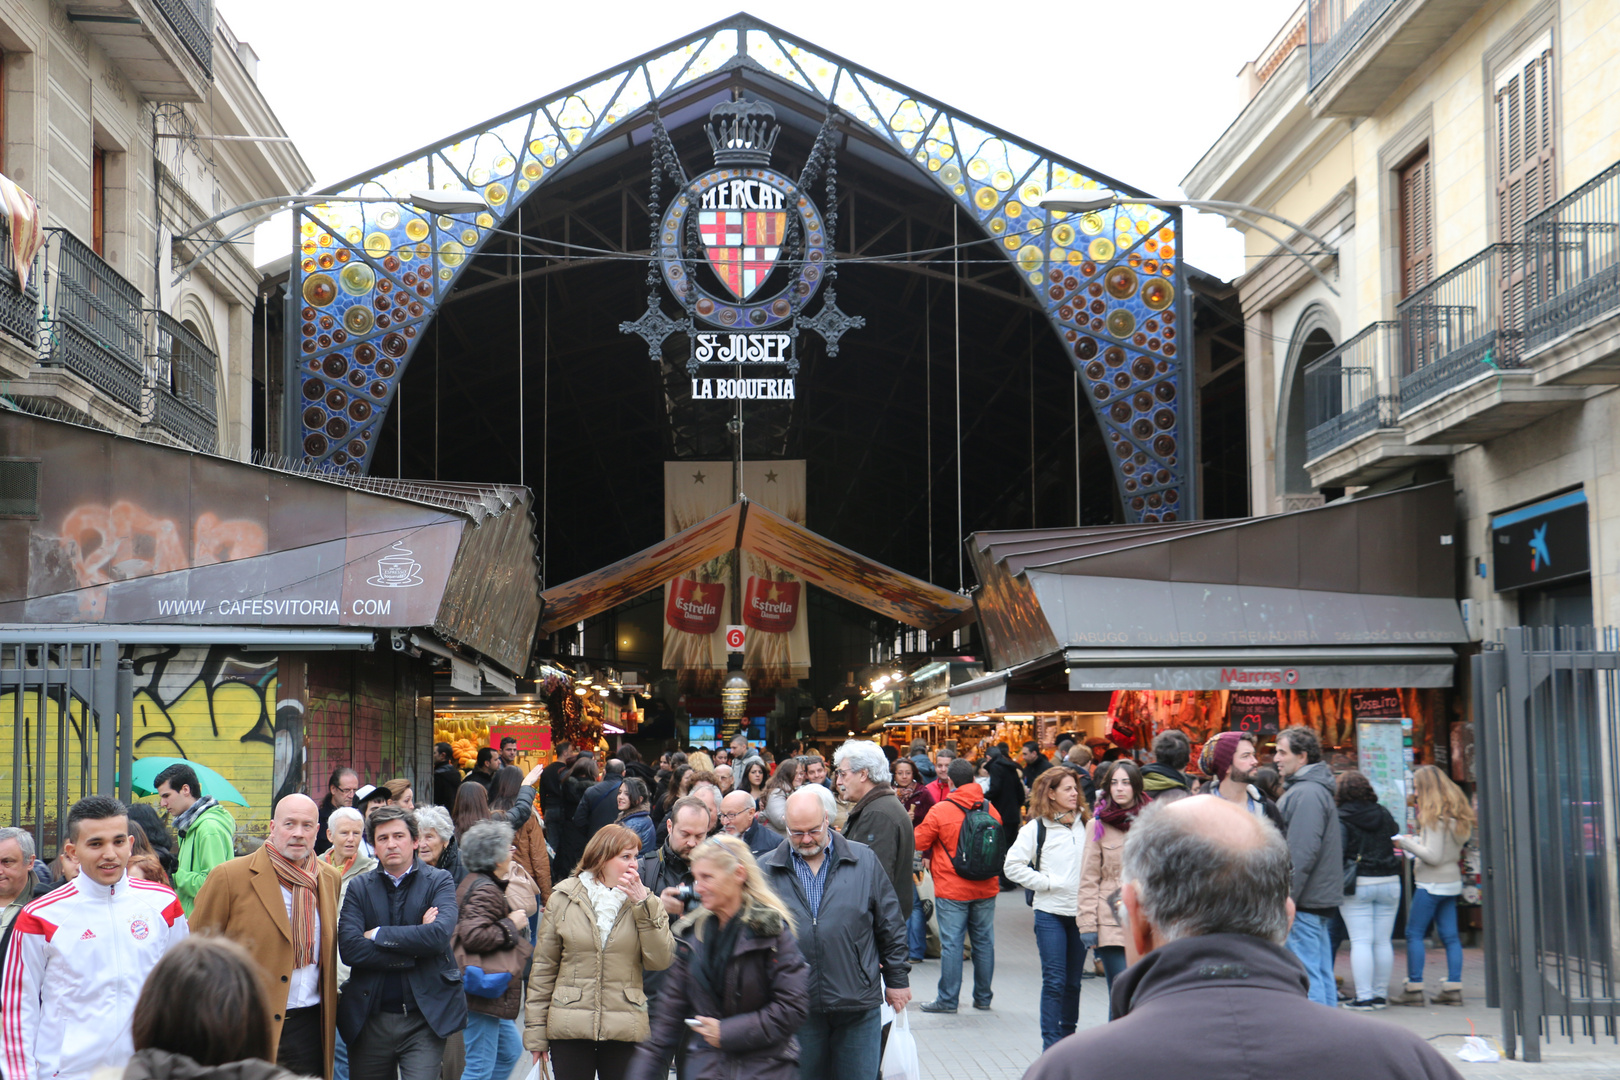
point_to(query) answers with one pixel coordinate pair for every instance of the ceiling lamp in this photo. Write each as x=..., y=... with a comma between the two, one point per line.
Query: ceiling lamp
x=734, y=693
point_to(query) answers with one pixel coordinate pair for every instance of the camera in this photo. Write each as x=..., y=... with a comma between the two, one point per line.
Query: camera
x=686, y=894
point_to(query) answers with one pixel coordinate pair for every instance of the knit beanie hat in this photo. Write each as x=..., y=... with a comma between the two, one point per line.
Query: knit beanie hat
x=1216, y=760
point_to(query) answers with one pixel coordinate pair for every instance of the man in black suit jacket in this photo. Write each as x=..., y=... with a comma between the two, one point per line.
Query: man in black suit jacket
x=404, y=997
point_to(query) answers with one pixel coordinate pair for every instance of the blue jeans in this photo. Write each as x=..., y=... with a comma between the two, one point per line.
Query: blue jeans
x=916, y=930
x=1442, y=911
x=1369, y=915
x=1057, y=938
x=340, y=1057
x=842, y=1043
x=1308, y=940
x=493, y=1047
x=977, y=920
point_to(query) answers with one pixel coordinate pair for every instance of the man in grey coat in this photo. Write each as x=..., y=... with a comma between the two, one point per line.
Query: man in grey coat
x=878, y=819
x=1317, y=851
x=850, y=932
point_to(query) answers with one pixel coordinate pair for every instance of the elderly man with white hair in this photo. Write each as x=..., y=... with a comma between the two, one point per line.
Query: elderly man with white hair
x=878, y=819
x=710, y=796
x=850, y=931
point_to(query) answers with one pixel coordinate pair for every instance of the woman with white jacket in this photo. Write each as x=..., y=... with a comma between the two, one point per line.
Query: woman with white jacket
x=1046, y=859
x=1445, y=822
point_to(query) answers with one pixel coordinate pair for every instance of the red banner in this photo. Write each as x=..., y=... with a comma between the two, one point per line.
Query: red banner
x=771, y=606
x=694, y=607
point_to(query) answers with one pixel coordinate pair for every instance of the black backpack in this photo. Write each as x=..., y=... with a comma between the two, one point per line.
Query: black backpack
x=981, y=847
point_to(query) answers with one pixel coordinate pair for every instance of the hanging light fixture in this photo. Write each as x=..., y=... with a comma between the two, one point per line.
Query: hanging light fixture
x=734, y=691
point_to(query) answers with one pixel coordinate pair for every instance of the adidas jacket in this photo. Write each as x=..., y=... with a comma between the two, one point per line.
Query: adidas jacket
x=77, y=960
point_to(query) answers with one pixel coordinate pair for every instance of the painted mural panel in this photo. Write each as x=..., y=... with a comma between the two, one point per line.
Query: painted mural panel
x=214, y=706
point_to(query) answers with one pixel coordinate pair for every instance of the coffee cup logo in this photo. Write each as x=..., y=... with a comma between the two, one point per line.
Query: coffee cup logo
x=397, y=569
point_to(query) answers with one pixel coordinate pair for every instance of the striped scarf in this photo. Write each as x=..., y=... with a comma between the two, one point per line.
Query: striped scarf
x=301, y=883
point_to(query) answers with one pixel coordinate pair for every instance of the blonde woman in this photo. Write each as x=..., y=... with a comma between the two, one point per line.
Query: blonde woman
x=738, y=973
x=700, y=762
x=601, y=932
x=1445, y=822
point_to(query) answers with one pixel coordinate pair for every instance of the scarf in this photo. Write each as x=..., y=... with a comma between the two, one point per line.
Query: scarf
x=605, y=902
x=1118, y=816
x=716, y=953
x=301, y=883
x=331, y=860
x=186, y=820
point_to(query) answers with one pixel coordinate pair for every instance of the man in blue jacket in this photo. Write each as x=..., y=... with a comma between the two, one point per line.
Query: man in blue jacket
x=404, y=997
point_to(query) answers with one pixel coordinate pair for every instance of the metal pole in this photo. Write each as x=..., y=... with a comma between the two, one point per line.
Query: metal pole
x=1520, y=808
x=126, y=728
x=106, y=715
x=290, y=447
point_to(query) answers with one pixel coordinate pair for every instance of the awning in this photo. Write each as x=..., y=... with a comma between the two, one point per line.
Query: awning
x=752, y=528
x=1351, y=594
x=120, y=531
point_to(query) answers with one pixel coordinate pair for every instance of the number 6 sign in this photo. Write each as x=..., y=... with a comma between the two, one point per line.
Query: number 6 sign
x=735, y=636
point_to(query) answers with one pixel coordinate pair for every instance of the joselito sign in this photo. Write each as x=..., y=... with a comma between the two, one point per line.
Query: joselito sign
x=744, y=251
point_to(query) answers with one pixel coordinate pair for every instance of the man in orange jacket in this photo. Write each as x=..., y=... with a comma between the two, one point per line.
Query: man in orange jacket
x=964, y=907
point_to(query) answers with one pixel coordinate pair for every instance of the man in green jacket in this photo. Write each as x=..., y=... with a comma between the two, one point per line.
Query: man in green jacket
x=207, y=830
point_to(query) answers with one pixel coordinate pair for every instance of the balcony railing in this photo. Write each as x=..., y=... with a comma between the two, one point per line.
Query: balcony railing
x=1350, y=391
x=193, y=20
x=184, y=403
x=1574, y=246
x=19, y=308
x=96, y=330
x=1335, y=26
x=1463, y=324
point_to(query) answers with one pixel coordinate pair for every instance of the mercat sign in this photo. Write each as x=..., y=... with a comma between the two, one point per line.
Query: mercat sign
x=744, y=250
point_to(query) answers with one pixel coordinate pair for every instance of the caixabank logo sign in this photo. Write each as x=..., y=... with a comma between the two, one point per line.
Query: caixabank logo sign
x=1542, y=543
x=744, y=250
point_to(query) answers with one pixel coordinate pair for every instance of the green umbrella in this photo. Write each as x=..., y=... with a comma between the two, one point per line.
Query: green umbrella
x=143, y=779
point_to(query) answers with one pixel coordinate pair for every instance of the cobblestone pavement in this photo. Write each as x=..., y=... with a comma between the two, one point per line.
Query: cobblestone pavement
x=1002, y=1043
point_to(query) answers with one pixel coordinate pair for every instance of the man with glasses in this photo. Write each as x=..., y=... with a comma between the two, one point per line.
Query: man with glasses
x=850, y=932
x=878, y=819
x=340, y=791
x=738, y=818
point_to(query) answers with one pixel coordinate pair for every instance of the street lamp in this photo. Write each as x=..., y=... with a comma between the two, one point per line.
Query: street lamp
x=429, y=202
x=1242, y=213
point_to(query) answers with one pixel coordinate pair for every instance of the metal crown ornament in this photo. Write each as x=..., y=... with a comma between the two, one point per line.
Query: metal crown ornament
x=744, y=250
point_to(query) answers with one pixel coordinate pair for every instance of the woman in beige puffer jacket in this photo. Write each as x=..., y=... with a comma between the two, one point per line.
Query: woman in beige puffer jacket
x=600, y=933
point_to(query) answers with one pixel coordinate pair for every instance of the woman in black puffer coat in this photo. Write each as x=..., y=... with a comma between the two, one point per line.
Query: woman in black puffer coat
x=571, y=843
x=737, y=971
x=1369, y=914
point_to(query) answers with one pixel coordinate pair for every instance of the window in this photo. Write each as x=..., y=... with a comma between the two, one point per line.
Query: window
x=1414, y=185
x=1524, y=139
x=98, y=201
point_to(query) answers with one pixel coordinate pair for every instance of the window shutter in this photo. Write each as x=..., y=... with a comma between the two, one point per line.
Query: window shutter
x=1524, y=144
x=1417, y=225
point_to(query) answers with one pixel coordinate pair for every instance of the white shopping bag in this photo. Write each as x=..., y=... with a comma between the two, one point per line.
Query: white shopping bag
x=900, y=1059
x=1474, y=1048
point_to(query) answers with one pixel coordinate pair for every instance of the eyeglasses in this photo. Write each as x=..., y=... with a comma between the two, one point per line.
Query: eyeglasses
x=347, y=790
x=733, y=815
x=806, y=834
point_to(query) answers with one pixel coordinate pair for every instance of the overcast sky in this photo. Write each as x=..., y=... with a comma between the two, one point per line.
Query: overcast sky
x=1134, y=90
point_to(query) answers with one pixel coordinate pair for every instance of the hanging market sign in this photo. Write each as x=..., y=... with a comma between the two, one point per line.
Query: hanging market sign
x=744, y=250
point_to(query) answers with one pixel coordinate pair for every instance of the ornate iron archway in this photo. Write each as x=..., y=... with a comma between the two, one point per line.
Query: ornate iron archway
x=370, y=275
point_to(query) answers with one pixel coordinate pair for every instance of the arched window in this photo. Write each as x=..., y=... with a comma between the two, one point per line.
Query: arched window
x=1315, y=335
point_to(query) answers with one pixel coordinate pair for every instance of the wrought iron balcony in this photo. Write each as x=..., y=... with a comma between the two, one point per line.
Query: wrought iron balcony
x=1574, y=246
x=1464, y=324
x=1351, y=391
x=1335, y=26
x=193, y=20
x=184, y=402
x=95, y=331
x=19, y=308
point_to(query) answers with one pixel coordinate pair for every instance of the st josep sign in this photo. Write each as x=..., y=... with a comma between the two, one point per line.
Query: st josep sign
x=744, y=250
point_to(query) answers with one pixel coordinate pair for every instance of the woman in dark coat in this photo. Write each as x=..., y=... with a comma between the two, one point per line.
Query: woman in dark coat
x=486, y=927
x=737, y=971
x=571, y=844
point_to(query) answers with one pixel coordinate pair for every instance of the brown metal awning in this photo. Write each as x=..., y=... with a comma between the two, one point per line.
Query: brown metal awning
x=117, y=531
x=752, y=528
x=1345, y=594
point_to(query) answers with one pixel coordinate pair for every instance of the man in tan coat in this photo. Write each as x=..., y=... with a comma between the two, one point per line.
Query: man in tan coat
x=281, y=904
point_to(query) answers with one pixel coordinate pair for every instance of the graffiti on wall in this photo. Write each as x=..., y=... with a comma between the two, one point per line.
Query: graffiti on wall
x=215, y=706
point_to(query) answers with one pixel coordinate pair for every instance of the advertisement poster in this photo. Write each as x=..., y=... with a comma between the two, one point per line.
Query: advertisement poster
x=768, y=599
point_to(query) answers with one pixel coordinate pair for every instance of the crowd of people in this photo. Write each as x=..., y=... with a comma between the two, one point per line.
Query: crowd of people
x=719, y=914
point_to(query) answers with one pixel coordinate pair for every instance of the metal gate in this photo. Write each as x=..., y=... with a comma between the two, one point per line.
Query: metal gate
x=1545, y=708
x=65, y=724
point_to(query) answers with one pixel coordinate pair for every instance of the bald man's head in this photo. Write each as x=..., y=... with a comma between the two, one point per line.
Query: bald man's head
x=293, y=827
x=1204, y=866
x=737, y=812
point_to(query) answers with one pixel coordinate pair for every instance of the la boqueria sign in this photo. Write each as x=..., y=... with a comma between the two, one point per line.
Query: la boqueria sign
x=127, y=532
